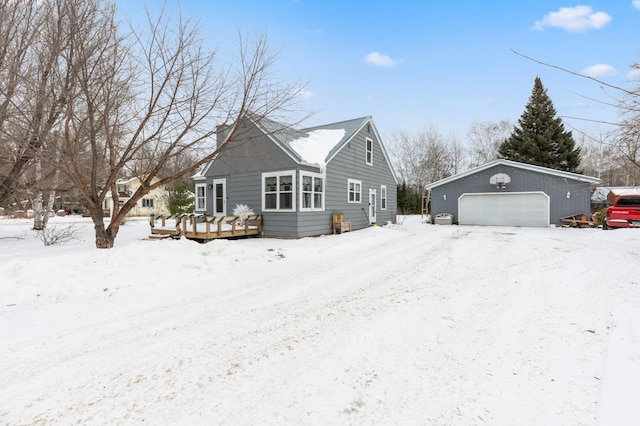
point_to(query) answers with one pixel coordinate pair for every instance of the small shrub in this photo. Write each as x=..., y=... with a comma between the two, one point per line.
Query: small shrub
x=242, y=211
x=53, y=235
x=600, y=215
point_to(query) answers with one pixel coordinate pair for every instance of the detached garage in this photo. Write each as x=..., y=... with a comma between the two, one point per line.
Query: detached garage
x=508, y=193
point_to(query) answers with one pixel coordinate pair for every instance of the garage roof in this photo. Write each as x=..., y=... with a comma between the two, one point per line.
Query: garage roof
x=531, y=167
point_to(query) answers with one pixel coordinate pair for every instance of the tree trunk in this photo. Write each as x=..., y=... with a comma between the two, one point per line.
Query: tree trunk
x=105, y=236
x=48, y=208
x=38, y=214
x=36, y=202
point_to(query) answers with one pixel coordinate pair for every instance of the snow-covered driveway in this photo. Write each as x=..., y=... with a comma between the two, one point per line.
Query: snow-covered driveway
x=411, y=324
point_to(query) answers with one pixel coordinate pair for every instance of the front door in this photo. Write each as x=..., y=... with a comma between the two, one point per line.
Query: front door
x=219, y=197
x=372, y=206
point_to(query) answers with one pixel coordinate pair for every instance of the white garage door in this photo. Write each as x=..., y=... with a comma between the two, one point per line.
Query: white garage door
x=506, y=209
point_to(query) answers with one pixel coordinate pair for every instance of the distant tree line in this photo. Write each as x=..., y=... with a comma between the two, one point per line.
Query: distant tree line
x=539, y=138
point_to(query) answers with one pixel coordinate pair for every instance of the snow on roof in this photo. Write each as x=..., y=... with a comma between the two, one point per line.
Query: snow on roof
x=125, y=181
x=600, y=193
x=315, y=147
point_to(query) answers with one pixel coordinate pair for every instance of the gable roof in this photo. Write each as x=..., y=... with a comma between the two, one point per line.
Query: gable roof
x=349, y=128
x=317, y=145
x=312, y=146
x=515, y=164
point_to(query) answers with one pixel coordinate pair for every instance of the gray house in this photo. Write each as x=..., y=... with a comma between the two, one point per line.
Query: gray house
x=504, y=192
x=297, y=179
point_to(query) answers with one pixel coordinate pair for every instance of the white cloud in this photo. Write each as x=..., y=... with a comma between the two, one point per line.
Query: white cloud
x=633, y=74
x=305, y=94
x=600, y=70
x=636, y=4
x=380, y=60
x=573, y=19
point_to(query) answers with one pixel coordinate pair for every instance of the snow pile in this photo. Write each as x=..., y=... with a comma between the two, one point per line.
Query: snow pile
x=316, y=146
x=405, y=324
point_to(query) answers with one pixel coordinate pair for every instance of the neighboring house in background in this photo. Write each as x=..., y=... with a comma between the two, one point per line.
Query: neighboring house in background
x=504, y=192
x=297, y=178
x=605, y=196
x=153, y=202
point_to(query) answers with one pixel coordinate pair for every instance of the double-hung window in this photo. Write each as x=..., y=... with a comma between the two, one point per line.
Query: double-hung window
x=312, y=191
x=354, y=190
x=383, y=197
x=278, y=191
x=369, y=151
x=201, y=197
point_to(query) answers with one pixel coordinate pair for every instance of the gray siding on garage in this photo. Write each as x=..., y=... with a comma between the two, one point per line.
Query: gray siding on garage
x=522, y=180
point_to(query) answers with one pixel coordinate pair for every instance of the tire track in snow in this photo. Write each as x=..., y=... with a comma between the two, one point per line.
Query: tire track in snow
x=440, y=320
x=141, y=335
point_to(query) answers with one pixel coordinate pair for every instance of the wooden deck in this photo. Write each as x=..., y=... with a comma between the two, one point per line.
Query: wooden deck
x=203, y=227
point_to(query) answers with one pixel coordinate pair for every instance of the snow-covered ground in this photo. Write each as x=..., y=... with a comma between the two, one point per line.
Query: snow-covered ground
x=404, y=324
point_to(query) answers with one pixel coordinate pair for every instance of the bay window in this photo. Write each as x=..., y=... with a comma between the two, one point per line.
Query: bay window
x=277, y=191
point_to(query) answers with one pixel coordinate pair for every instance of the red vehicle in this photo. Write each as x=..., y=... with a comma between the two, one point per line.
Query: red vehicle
x=625, y=213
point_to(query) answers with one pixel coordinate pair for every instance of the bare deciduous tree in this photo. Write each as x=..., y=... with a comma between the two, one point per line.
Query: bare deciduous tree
x=140, y=103
x=32, y=98
x=425, y=157
x=485, y=138
x=96, y=103
x=20, y=24
x=628, y=135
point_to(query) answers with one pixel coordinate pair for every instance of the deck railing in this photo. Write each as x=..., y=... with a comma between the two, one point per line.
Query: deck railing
x=205, y=227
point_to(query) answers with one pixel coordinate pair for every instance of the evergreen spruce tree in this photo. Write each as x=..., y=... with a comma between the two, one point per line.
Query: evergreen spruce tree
x=181, y=198
x=409, y=199
x=540, y=138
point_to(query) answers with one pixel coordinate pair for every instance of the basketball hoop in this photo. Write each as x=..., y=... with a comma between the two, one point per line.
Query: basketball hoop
x=500, y=180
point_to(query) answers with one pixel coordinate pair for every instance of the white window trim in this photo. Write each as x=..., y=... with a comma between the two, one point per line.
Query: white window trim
x=291, y=173
x=204, y=199
x=354, y=181
x=324, y=190
x=383, y=197
x=367, y=151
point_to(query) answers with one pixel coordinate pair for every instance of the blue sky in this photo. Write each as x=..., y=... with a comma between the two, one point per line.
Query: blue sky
x=414, y=64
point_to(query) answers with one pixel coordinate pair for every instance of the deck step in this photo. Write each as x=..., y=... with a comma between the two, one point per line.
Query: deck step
x=159, y=236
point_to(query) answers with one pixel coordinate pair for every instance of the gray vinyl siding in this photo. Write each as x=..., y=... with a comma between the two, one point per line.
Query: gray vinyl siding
x=350, y=163
x=243, y=166
x=522, y=180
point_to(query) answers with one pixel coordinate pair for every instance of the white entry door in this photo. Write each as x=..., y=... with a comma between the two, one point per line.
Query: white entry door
x=372, y=206
x=219, y=197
